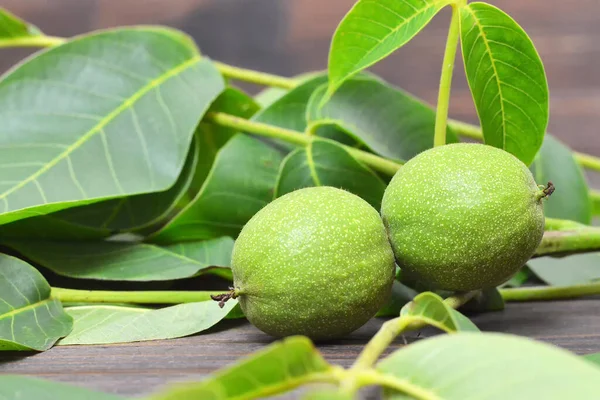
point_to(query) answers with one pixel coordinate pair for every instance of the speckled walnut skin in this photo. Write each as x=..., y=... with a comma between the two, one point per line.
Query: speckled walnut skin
x=463, y=216
x=315, y=262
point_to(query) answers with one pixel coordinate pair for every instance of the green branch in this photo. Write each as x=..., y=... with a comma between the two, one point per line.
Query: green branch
x=561, y=243
x=371, y=377
x=550, y=292
x=474, y=132
x=298, y=138
x=32, y=41
x=443, y=103
x=259, y=78
x=146, y=297
x=555, y=224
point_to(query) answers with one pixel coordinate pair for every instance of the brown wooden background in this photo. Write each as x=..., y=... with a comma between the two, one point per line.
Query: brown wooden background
x=290, y=37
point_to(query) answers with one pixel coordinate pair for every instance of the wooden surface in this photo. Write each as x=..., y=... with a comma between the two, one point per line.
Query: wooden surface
x=139, y=368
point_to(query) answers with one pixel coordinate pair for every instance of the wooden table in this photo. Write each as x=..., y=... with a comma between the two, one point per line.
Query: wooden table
x=140, y=368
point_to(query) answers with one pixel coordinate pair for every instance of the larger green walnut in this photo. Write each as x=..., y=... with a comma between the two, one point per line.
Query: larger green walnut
x=463, y=216
x=314, y=262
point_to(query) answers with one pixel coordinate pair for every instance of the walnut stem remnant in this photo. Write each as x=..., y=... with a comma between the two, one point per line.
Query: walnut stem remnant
x=224, y=297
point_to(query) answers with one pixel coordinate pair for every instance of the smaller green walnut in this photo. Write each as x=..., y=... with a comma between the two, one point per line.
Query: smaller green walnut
x=463, y=216
x=314, y=262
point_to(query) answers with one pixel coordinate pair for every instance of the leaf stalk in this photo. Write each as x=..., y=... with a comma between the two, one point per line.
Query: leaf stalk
x=392, y=328
x=443, y=103
x=136, y=297
x=550, y=292
x=32, y=41
x=298, y=138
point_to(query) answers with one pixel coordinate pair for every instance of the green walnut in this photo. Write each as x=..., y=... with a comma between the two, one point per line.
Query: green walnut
x=314, y=262
x=463, y=216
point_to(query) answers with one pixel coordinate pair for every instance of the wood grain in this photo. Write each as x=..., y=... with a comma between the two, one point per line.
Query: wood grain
x=140, y=368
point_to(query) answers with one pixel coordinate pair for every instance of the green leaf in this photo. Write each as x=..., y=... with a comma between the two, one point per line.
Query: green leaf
x=211, y=138
x=13, y=28
x=325, y=163
x=385, y=119
x=29, y=318
x=14, y=387
x=269, y=95
x=372, y=30
x=281, y=366
x=571, y=200
x=111, y=260
x=507, y=80
x=430, y=308
x=519, y=278
x=491, y=366
x=289, y=111
x=143, y=213
x=486, y=300
x=240, y=183
x=566, y=271
x=102, y=219
x=87, y=120
x=103, y=324
x=593, y=358
x=401, y=295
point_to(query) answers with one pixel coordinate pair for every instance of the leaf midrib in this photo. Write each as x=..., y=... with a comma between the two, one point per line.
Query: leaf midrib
x=105, y=121
x=496, y=76
x=31, y=306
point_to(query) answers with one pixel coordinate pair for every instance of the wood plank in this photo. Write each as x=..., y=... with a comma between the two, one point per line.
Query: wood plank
x=140, y=368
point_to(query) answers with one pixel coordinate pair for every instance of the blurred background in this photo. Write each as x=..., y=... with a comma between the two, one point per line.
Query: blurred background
x=289, y=37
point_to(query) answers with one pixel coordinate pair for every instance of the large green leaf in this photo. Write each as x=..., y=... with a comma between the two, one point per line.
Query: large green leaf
x=386, y=119
x=566, y=271
x=109, y=260
x=325, y=163
x=570, y=200
x=101, y=220
x=507, y=80
x=279, y=367
x=491, y=366
x=142, y=213
x=13, y=28
x=29, y=318
x=15, y=387
x=101, y=324
x=88, y=120
x=372, y=30
x=240, y=183
x=429, y=308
